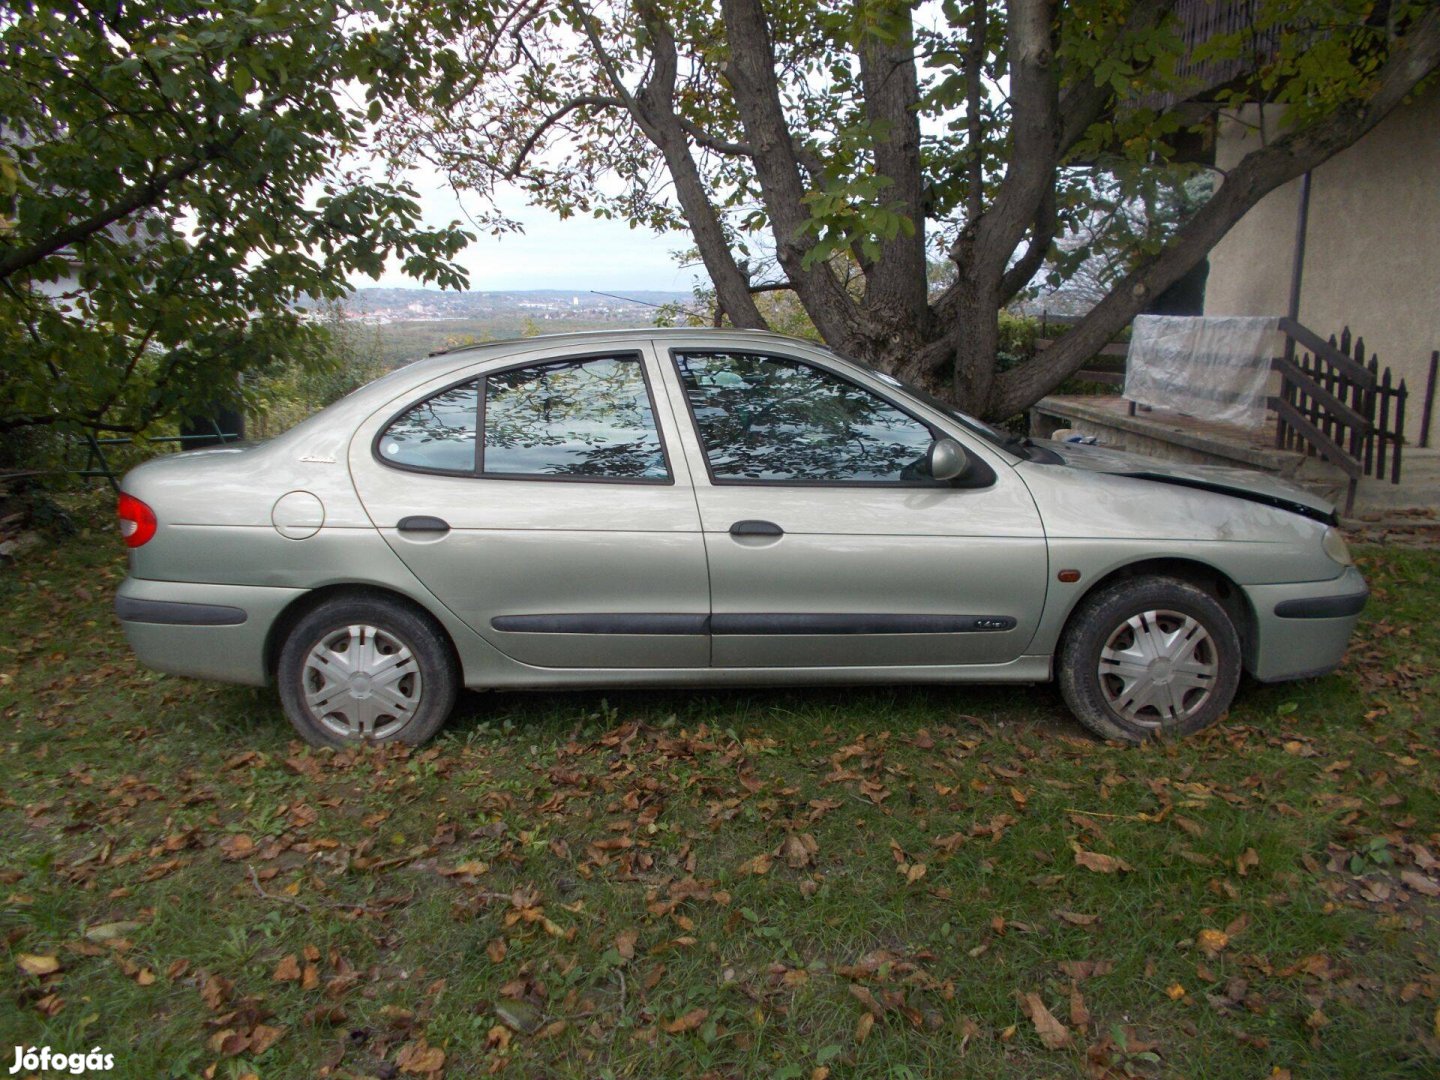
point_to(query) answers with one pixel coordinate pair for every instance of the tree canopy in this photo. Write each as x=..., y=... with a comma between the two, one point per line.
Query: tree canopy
x=836, y=149
x=174, y=187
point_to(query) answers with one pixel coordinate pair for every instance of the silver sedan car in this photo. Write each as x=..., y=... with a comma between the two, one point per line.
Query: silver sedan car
x=711, y=508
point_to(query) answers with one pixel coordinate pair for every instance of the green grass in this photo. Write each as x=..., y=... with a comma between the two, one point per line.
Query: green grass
x=605, y=919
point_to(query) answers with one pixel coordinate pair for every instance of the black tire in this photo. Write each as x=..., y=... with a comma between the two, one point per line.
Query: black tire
x=407, y=701
x=1107, y=703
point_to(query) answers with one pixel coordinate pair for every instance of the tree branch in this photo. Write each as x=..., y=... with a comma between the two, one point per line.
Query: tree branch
x=711, y=142
x=1084, y=101
x=750, y=71
x=895, y=285
x=974, y=92
x=565, y=109
x=139, y=197
x=1041, y=236
x=1034, y=97
x=1260, y=172
x=653, y=109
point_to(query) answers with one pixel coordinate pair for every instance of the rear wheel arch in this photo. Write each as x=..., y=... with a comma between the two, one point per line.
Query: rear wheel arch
x=301, y=606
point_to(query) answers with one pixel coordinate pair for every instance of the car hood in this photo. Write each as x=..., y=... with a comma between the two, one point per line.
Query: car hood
x=1241, y=483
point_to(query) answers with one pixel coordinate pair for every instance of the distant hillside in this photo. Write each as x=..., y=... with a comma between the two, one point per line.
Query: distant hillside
x=412, y=303
x=409, y=323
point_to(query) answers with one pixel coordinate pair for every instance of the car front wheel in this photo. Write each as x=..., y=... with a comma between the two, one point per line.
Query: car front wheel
x=365, y=668
x=1149, y=656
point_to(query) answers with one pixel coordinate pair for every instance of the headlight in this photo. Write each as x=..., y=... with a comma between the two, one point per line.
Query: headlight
x=1334, y=545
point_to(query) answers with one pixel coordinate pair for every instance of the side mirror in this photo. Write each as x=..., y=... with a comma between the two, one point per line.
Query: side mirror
x=948, y=460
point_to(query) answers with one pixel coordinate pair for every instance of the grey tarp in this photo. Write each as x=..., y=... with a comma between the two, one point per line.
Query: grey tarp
x=1213, y=368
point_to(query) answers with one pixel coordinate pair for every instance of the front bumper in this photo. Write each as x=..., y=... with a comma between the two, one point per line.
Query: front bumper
x=1302, y=629
x=206, y=631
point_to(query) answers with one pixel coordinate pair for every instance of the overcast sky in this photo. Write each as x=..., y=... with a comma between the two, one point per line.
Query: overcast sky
x=579, y=253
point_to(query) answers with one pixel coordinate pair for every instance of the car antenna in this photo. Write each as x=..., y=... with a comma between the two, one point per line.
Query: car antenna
x=645, y=303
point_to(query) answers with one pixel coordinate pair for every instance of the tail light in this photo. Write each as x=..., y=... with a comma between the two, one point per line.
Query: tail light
x=137, y=521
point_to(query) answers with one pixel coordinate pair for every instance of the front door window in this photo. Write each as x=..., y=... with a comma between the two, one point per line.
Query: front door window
x=771, y=419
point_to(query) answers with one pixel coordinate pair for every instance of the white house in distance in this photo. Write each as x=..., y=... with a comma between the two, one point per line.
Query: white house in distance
x=1372, y=243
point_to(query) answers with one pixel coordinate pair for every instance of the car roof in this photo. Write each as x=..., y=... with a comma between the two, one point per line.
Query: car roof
x=416, y=372
x=581, y=337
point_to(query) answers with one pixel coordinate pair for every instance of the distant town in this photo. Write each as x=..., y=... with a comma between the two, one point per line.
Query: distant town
x=406, y=324
x=384, y=306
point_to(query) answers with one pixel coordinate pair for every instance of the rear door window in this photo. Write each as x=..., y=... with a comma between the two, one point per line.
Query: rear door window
x=584, y=419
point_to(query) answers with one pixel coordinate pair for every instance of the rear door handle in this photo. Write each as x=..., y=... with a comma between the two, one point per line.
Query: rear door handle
x=424, y=525
x=756, y=528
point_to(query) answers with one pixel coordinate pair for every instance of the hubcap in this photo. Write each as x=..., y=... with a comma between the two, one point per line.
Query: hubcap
x=1158, y=667
x=361, y=681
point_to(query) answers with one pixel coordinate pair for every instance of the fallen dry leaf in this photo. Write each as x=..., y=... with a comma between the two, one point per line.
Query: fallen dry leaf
x=498, y=1038
x=1079, y=1013
x=1419, y=882
x=863, y=1026
x=1191, y=826
x=470, y=868
x=237, y=846
x=1175, y=991
x=1084, y=969
x=1075, y=918
x=229, y=1042
x=760, y=864
x=519, y=1016
x=1212, y=941
x=420, y=1058
x=625, y=943
x=689, y=1022
x=1053, y=1034
x=866, y=998
x=798, y=850
x=288, y=970
x=110, y=931
x=216, y=991
x=1100, y=864
x=37, y=965
x=264, y=1036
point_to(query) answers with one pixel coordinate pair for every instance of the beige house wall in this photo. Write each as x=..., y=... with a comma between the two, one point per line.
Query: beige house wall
x=1373, y=249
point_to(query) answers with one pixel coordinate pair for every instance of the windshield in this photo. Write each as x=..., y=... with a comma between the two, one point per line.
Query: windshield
x=1011, y=444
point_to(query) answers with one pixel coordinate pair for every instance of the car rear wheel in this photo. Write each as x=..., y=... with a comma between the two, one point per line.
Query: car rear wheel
x=1149, y=656
x=366, y=668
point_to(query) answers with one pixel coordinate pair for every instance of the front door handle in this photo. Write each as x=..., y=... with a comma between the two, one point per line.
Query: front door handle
x=756, y=528
x=437, y=526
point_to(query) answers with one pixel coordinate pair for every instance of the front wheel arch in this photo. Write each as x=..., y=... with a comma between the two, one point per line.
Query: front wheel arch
x=1221, y=588
x=1104, y=618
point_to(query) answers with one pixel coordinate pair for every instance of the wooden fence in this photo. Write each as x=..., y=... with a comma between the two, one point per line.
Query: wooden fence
x=1335, y=404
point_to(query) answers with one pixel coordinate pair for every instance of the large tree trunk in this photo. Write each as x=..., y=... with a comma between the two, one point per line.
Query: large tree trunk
x=896, y=305
x=976, y=347
x=750, y=72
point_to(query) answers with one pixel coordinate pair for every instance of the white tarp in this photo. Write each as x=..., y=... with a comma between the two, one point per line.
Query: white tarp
x=1213, y=368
